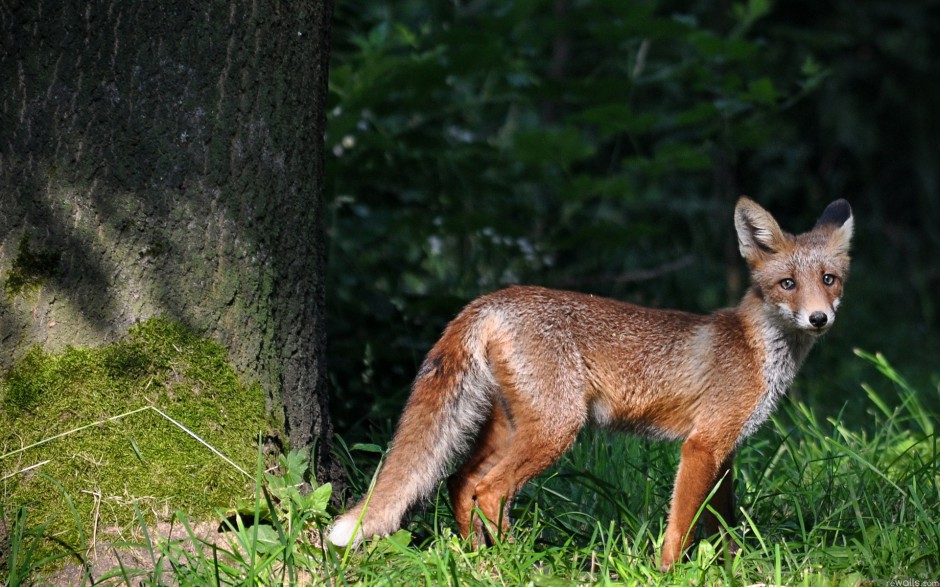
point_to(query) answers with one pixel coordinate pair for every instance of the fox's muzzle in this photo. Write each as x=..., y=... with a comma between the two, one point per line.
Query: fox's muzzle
x=818, y=319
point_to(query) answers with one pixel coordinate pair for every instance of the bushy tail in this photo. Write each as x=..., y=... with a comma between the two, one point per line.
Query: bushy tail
x=448, y=403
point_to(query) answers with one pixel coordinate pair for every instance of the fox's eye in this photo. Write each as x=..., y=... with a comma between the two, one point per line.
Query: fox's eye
x=829, y=279
x=787, y=283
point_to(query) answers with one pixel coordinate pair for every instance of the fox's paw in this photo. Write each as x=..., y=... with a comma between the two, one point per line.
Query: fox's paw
x=346, y=531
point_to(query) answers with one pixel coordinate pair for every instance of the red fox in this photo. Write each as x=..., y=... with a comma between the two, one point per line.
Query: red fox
x=520, y=371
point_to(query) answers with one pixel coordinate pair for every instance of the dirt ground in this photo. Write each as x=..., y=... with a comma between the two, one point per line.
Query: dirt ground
x=110, y=553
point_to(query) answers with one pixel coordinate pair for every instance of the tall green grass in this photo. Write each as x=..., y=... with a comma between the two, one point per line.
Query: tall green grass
x=820, y=503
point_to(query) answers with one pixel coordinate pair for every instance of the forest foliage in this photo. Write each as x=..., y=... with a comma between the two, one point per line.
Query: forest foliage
x=600, y=146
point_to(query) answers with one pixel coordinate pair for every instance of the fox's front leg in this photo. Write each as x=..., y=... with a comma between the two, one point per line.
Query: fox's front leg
x=699, y=467
x=722, y=502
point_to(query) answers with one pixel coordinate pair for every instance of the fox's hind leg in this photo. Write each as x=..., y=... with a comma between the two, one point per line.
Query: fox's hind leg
x=541, y=401
x=490, y=447
x=534, y=448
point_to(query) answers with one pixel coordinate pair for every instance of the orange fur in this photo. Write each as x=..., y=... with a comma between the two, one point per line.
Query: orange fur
x=520, y=371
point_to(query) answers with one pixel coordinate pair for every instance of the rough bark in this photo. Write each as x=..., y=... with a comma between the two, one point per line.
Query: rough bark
x=167, y=158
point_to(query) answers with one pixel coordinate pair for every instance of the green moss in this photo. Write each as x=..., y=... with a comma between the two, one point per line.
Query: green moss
x=30, y=268
x=25, y=382
x=140, y=459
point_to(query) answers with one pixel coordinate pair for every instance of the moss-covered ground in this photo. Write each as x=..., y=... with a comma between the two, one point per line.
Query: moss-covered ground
x=125, y=462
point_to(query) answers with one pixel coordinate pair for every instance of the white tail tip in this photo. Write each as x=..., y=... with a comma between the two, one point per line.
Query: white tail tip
x=342, y=532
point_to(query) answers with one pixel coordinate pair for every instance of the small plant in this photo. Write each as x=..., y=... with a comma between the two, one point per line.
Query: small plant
x=286, y=524
x=18, y=543
x=22, y=546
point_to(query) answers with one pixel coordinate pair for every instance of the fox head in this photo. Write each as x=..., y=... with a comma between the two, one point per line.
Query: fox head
x=799, y=277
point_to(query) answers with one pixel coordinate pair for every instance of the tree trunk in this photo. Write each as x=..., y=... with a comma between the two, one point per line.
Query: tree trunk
x=167, y=158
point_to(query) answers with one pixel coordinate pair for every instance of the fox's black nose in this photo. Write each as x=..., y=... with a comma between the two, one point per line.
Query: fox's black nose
x=818, y=319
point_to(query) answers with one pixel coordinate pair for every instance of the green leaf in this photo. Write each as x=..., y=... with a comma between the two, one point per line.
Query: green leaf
x=365, y=447
x=318, y=499
x=699, y=113
x=813, y=73
x=762, y=91
x=295, y=464
x=267, y=539
x=748, y=14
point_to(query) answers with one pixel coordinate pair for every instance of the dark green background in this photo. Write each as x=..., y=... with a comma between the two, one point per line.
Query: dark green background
x=600, y=146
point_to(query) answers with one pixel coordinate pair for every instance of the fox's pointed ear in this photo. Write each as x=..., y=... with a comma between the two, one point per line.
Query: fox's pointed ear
x=838, y=217
x=758, y=232
x=836, y=213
